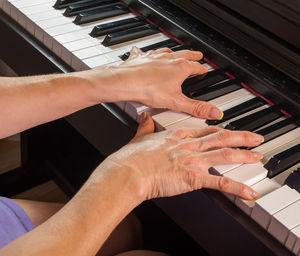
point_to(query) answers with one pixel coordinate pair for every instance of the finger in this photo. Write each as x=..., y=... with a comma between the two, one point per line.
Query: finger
x=195, y=133
x=135, y=51
x=162, y=50
x=225, y=138
x=190, y=67
x=223, y=156
x=189, y=55
x=230, y=186
x=198, y=108
x=145, y=127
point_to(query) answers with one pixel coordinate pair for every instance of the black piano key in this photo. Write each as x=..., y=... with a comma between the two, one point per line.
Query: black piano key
x=238, y=110
x=100, y=14
x=282, y=161
x=166, y=43
x=59, y=4
x=196, y=83
x=130, y=34
x=293, y=180
x=217, y=90
x=255, y=120
x=179, y=48
x=76, y=8
x=116, y=26
x=277, y=129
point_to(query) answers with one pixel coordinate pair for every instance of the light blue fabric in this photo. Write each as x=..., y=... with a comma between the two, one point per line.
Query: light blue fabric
x=14, y=222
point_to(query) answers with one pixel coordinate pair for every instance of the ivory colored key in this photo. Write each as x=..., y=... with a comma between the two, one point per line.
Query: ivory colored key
x=232, y=99
x=100, y=49
x=269, y=147
x=168, y=117
x=263, y=188
x=113, y=54
x=285, y=220
x=133, y=108
x=272, y=203
x=192, y=123
x=293, y=239
x=223, y=102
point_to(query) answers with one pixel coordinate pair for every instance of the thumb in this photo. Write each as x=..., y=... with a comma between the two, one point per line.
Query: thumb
x=198, y=108
x=145, y=127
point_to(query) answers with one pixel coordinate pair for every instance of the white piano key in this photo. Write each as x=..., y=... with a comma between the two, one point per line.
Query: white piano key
x=291, y=241
x=68, y=28
x=134, y=109
x=192, y=123
x=6, y=7
x=121, y=104
x=169, y=117
x=296, y=248
x=262, y=188
x=100, y=49
x=27, y=3
x=73, y=36
x=271, y=146
x=1, y=3
x=40, y=8
x=248, y=174
x=223, y=102
x=40, y=16
x=208, y=66
x=99, y=61
x=243, y=115
x=54, y=22
x=273, y=202
x=285, y=220
x=232, y=99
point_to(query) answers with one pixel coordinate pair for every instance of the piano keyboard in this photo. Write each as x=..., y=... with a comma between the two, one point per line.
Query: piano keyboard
x=87, y=34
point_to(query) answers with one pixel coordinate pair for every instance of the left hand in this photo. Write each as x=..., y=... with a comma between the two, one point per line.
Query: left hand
x=155, y=79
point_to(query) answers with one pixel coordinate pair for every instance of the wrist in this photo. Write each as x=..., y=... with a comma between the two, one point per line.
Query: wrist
x=125, y=184
x=116, y=83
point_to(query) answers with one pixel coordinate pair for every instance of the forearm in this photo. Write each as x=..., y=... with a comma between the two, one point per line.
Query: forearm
x=29, y=101
x=84, y=224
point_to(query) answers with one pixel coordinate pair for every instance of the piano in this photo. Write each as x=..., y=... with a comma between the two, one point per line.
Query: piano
x=251, y=50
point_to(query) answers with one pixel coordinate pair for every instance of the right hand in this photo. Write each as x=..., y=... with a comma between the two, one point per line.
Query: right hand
x=154, y=78
x=173, y=162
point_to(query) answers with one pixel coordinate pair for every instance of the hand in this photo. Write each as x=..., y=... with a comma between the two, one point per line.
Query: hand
x=156, y=78
x=174, y=162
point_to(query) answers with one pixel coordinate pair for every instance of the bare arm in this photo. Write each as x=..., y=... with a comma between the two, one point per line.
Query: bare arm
x=154, y=79
x=154, y=165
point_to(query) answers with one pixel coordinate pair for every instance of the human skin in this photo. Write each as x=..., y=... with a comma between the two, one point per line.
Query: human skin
x=152, y=165
x=152, y=78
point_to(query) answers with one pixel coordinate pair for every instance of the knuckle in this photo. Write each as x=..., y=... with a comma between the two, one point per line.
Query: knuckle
x=227, y=154
x=246, y=137
x=150, y=52
x=224, y=184
x=181, y=61
x=243, y=189
x=224, y=135
x=213, y=129
x=179, y=133
x=166, y=49
x=201, y=109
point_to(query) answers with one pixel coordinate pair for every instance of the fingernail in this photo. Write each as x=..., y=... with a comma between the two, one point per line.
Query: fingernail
x=259, y=138
x=215, y=113
x=143, y=117
x=257, y=155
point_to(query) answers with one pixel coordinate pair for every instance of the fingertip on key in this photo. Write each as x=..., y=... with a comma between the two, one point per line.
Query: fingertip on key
x=215, y=113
